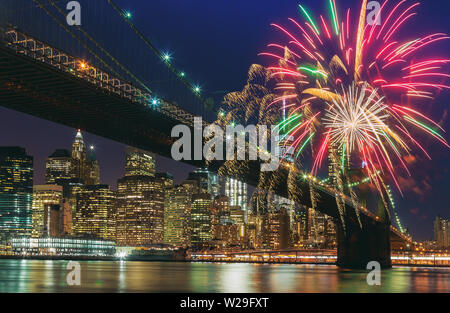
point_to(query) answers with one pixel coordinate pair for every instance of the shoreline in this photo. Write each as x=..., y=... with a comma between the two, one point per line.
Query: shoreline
x=114, y=259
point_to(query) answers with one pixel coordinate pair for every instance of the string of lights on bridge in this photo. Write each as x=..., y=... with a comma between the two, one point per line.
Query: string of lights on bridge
x=165, y=57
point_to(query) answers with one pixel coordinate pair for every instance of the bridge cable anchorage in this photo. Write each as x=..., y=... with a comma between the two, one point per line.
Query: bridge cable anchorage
x=104, y=50
x=161, y=56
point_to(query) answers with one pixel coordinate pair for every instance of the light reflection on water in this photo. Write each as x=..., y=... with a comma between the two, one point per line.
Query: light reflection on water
x=120, y=276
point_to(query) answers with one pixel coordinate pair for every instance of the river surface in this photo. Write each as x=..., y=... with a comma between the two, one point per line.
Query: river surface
x=121, y=276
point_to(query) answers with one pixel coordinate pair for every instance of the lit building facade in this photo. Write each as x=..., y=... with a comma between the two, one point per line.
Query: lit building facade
x=78, y=157
x=139, y=163
x=321, y=230
x=47, y=199
x=236, y=191
x=166, y=179
x=441, y=233
x=140, y=211
x=207, y=181
x=177, y=210
x=63, y=247
x=95, y=212
x=16, y=193
x=92, y=169
x=201, y=232
x=276, y=229
x=58, y=167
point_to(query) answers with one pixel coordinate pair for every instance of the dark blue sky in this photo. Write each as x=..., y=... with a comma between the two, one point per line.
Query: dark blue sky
x=215, y=42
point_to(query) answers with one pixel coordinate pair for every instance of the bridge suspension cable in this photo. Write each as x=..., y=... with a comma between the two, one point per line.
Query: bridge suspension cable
x=161, y=55
x=38, y=3
x=104, y=50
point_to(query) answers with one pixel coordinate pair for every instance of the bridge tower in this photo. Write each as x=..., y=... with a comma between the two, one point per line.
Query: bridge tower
x=360, y=244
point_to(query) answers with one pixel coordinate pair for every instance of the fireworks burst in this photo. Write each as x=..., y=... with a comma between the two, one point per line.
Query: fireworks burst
x=382, y=79
x=356, y=120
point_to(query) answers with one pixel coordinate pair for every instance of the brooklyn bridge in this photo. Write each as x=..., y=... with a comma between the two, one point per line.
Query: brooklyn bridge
x=125, y=89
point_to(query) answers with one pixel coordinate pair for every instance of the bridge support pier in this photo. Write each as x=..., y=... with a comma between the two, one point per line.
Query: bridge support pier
x=359, y=246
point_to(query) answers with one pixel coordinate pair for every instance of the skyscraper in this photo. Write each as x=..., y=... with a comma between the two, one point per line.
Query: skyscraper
x=166, y=179
x=201, y=232
x=140, y=211
x=78, y=157
x=442, y=232
x=208, y=182
x=177, y=216
x=276, y=229
x=46, y=197
x=139, y=163
x=16, y=193
x=92, y=168
x=58, y=166
x=321, y=230
x=95, y=212
x=236, y=191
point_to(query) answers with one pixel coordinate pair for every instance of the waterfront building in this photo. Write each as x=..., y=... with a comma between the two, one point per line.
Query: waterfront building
x=442, y=233
x=201, y=228
x=236, y=191
x=140, y=211
x=46, y=200
x=58, y=167
x=177, y=209
x=139, y=163
x=70, y=246
x=95, y=212
x=16, y=193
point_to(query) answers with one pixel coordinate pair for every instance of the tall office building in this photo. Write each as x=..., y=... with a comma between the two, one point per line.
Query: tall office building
x=321, y=230
x=95, y=212
x=140, y=211
x=139, y=163
x=46, y=198
x=177, y=216
x=165, y=178
x=16, y=193
x=236, y=191
x=299, y=227
x=92, y=169
x=201, y=228
x=208, y=182
x=222, y=205
x=276, y=229
x=78, y=157
x=58, y=167
x=442, y=233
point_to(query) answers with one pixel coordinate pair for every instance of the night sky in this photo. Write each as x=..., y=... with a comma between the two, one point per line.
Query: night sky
x=216, y=41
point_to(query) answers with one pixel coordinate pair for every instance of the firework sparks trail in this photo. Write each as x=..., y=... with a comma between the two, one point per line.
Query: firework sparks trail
x=357, y=88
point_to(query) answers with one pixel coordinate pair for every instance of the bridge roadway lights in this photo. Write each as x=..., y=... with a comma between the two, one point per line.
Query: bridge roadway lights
x=359, y=246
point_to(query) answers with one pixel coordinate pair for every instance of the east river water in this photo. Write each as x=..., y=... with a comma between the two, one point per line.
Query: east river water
x=126, y=276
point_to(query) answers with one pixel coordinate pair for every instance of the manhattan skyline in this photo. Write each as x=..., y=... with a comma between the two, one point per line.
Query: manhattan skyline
x=425, y=193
